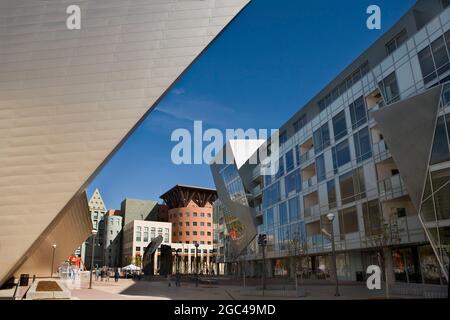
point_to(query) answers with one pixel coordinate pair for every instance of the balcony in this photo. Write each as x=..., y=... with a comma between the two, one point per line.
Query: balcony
x=380, y=151
x=309, y=176
x=312, y=211
x=392, y=187
x=309, y=182
x=305, y=157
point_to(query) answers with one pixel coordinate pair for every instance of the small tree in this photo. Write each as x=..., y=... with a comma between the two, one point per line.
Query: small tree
x=380, y=235
x=297, y=247
x=138, y=260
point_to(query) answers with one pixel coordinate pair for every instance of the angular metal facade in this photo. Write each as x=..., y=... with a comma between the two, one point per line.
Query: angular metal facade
x=239, y=215
x=408, y=127
x=69, y=98
x=421, y=149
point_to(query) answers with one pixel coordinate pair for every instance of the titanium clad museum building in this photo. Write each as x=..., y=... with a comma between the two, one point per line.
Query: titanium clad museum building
x=373, y=148
x=69, y=98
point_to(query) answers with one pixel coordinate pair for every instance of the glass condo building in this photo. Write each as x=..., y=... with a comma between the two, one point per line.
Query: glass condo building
x=349, y=152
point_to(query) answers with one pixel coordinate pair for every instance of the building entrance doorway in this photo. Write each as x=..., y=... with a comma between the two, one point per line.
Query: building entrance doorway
x=406, y=265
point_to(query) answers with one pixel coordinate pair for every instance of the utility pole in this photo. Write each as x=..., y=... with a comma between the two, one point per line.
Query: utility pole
x=330, y=217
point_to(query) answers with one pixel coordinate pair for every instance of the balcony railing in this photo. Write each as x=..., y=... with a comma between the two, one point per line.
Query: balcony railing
x=308, y=155
x=308, y=183
x=312, y=211
x=376, y=107
x=392, y=187
x=380, y=149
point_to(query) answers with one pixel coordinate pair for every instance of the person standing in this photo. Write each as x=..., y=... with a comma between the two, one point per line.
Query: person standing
x=97, y=274
x=116, y=275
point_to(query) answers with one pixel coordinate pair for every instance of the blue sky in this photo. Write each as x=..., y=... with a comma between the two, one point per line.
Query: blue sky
x=267, y=64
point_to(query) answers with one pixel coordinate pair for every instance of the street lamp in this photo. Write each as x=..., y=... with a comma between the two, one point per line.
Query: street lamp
x=196, y=264
x=330, y=217
x=94, y=233
x=53, y=260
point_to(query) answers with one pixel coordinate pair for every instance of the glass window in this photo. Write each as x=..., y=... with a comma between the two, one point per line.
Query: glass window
x=348, y=220
x=358, y=113
x=331, y=189
x=321, y=138
x=347, y=187
x=372, y=218
x=289, y=160
x=446, y=95
x=339, y=126
x=352, y=185
x=341, y=154
x=440, y=55
x=269, y=219
x=280, y=171
x=138, y=233
x=145, y=233
x=282, y=213
x=440, y=150
x=268, y=179
x=300, y=123
x=362, y=145
x=396, y=41
x=293, y=182
x=320, y=168
x=426, y=65
x=271, y=195
x=389, y=88
x=294, y=210
x=283, y=137
x=447, y=39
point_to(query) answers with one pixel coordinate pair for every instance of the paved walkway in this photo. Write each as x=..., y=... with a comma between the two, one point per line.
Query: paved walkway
x=127, y=289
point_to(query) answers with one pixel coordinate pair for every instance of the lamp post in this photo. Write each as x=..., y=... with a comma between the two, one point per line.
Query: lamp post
x=53, y=260
x=196, y=264
x=330, y=217
x=94, y=233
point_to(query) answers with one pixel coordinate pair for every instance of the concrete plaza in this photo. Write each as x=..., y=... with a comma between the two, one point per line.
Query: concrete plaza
x=226, y=289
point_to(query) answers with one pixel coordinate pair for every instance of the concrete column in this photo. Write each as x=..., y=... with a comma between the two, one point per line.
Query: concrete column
x=189, y=262
x=155, y=265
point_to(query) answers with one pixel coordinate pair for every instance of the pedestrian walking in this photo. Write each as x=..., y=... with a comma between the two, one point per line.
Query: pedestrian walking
x=116, y=275
x=97, y=274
